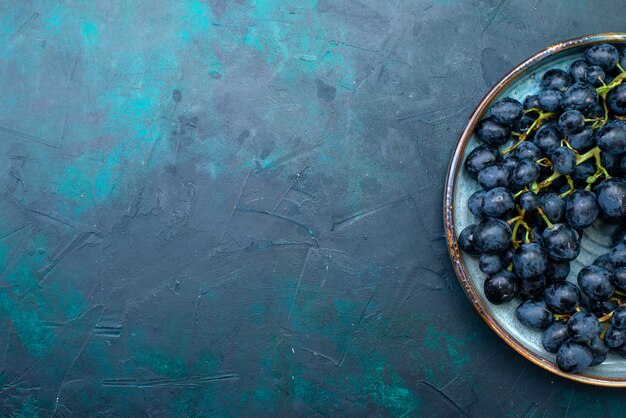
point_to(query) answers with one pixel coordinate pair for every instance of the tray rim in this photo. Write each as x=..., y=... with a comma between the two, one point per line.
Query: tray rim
x=448, y=206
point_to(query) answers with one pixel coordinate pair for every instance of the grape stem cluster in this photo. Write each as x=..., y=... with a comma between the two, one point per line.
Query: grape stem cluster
x=594, y=153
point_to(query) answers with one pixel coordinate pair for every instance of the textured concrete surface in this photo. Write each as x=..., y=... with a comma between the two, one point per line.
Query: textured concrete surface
x=221, y=208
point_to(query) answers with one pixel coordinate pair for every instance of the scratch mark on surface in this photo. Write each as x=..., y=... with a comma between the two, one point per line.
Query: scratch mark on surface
x=69, y=370
x=298, y=176
x=339, y=225
x=232, y=214
x=276, y=215
x=320, y=355
x=15, y=231
x=372, y=51
x=419, y=148
x=449, y=400
x=306, y=259
x=23, y=25
x=493, y=16
x=25, y=137
x=569, y=404
x=192, y=381
x=6, y=350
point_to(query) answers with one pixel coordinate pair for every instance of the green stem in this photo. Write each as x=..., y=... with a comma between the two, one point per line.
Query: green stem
x=545, y=218
x=535, y=125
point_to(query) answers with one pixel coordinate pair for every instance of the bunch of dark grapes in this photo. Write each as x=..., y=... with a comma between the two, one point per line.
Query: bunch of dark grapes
x=548, y=169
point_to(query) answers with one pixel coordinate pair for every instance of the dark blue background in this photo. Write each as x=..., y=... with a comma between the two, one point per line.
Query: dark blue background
x=221, y=208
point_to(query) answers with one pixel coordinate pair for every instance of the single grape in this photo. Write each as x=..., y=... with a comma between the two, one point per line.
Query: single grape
x=612, y=163
x=611, y=138
x=578, y=70
x=466, y=240
x=614, y=337
x=580, y=96
x=555, y=335
x=510, y=161
x=618, y=255
x=530, y=261
x=527, y=150
x=501, y=287
x=550, y=100
x=561, y=243
x=612, y=197
x=573, y=357
x=524, y=123
x=596, y=282
x=498, y=202
x=583, y=172
x=491, y=132
x=599, y=350
x=480, y=157
x=475, y=203
x=507, y=111
x=583, y=139
x=562, y=297
x=618, y=320
x=619, y=278
x=534, y=314
x=494, y=175
x=564, y=160
x=602, y=55
x=531, y=102
x=547, y=138
x=581, y=209
x=602, y=307
x=571, y=121
x=583, y=326
x=595, y=76
x=526, y=172
x=616, y=100
x=555, y=79
x=490, y=263
x=528, y=201
x=532, y=288
x=491, y=236
x=604, y=261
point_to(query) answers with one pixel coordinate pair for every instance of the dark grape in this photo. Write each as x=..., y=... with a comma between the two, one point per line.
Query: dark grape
x=498, y=202
x=581, y=209
x=550, y=100
x=555, y=335
x=602, y=55
x=534, y=314
x=564, y=160
x=555, y=79
x=561, y=243
x=507, y=111
x=491, y=132
x=491, y=236
x=490, y=263
x=501, y=287
x=596, y=282
x=573, y=357
x=480, y=157
x=612, y=197
x=571, y=121
x=580, y=96
x=583, y=326
x=563, y=298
